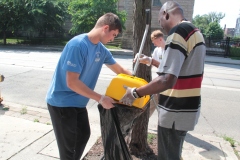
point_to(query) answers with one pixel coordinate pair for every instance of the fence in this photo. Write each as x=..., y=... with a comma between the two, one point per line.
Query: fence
x=228, y=47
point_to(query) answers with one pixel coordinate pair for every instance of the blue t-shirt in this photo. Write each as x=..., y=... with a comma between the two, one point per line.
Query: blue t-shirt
x=79, y=55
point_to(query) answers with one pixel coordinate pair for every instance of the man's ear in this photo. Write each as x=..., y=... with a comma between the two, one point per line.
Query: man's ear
x=167, y=16
x=106, y=27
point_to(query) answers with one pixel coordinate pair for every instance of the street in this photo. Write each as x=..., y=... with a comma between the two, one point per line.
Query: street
x=28, y=74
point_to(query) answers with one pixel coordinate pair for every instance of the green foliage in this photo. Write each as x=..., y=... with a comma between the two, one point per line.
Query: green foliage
x=46, y=15
x=209, y=24
x=37, y=16
x=85, y=13
x=9, y=15
x=214, y=30
x=201, y=22
x=215, y=17
x=236, y=38
x=235, y=52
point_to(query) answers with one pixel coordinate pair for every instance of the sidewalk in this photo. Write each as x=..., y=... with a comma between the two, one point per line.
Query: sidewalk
x=27, y=134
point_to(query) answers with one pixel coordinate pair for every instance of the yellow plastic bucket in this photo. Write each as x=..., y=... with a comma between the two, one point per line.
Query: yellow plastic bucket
x=116, y=90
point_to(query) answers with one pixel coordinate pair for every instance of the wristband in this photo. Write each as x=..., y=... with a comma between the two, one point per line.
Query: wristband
x=135, y=94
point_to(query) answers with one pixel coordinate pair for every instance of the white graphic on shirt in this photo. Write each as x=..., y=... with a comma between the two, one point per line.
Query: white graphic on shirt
x=69, y=63
x=97, y=57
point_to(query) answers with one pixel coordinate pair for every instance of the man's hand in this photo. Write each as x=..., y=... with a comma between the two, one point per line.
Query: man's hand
x=143, y=59
x=106, y=102
x=1, y=78
x=128, y=97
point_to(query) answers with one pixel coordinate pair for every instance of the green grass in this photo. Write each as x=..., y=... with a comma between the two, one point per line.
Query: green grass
x=230, y=140
x=13, y=41
x=112, y=47
x=233, y=144
x=36, y=41
x=5, y=108
x=47, y=41
x=235, y=58
x=36, y=120
x=150, y=137
x=23, y=110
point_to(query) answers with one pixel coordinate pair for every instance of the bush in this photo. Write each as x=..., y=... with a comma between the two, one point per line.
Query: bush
x=235, y=52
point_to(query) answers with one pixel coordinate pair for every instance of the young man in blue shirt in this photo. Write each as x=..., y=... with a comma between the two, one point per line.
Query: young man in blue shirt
x=73, y=85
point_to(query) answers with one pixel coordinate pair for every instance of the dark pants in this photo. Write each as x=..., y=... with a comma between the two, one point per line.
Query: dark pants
x=72, y=130
x=170, y=143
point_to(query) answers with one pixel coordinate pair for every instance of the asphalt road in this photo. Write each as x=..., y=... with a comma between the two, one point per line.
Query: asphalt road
x=28, y=74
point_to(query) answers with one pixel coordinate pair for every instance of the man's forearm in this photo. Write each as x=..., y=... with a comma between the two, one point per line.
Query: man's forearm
x=157, y=85
x=155, y=63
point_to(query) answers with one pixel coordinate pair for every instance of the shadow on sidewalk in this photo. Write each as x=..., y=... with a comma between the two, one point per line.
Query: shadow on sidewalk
x=207, y=149
x=3, y=109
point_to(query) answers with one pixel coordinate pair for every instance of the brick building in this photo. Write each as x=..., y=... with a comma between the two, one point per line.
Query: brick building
x=229, y=32
x=127, y=5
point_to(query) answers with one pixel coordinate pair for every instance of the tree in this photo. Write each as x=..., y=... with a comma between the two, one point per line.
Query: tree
x=86, y=12
x=202, y=22
x=46, y=15
x=32, y=16
x=8, y=16
x=214, y=31
x=215, y=17
x=138, y=144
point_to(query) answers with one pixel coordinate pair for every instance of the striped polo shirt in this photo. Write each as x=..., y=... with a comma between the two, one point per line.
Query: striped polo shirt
x=184, y=57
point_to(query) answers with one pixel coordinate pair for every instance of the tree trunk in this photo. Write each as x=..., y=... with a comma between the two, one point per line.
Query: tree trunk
x=4, y=38
x=137, y=139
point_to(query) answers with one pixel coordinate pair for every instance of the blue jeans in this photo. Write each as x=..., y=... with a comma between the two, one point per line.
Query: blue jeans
x=170, y=143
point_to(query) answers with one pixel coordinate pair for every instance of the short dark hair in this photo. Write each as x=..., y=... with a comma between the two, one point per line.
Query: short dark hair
x=110, y=19
x=173, y=7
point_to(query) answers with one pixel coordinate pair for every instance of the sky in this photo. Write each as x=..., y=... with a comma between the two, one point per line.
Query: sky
x=231, y=8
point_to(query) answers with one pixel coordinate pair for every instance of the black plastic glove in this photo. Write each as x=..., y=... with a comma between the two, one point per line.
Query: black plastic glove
x=1, y=78
x=143, y=59
x=128, y=97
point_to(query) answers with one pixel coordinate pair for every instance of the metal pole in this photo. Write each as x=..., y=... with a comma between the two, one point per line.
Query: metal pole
x=143, y=41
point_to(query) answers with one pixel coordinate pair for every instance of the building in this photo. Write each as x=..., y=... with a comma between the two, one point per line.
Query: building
x=127, y=5
x=229, y=32
x=237, y=28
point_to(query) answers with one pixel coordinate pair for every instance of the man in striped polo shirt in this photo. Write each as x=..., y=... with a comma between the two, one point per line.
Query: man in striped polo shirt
x=179, y=81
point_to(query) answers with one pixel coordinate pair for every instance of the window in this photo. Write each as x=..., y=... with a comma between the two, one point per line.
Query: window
x=156, y=3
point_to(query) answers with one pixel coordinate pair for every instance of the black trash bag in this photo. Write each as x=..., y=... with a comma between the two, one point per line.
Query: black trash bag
x=115, y=125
